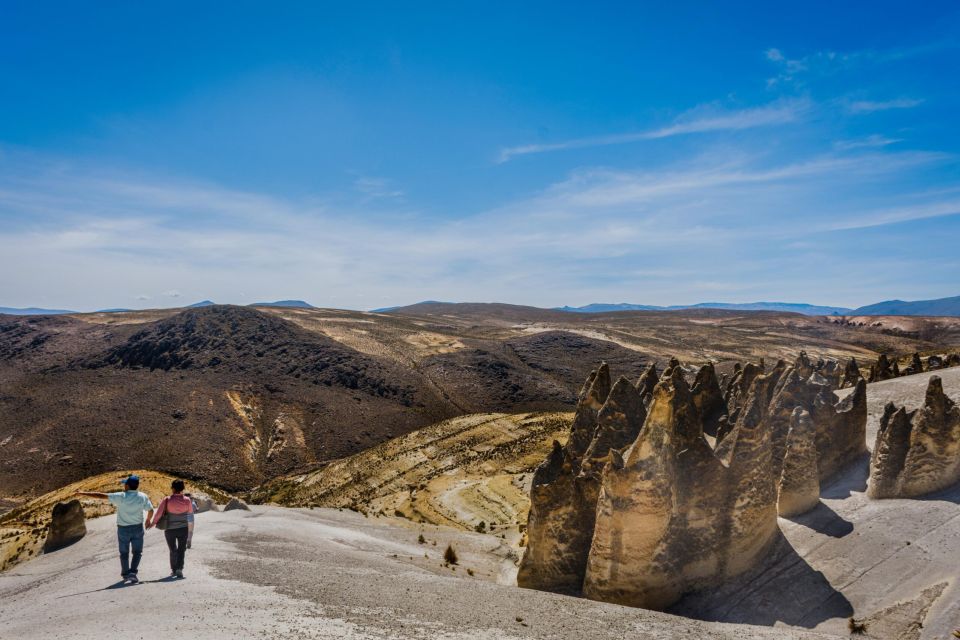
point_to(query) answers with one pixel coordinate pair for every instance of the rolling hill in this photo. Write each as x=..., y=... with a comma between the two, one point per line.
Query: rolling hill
x=239, y=395
x=938, y=307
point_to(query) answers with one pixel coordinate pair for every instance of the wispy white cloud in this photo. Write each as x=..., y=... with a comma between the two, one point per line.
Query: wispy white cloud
x=791, y=71
x=872, y=141
x=598, y=233
x=869, y=106
x=374, y=188
x=699, y=120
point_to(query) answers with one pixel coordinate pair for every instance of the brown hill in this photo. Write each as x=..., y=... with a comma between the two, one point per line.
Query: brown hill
x=236, y=395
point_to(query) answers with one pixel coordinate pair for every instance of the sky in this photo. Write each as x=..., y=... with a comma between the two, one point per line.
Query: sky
x=363, y=155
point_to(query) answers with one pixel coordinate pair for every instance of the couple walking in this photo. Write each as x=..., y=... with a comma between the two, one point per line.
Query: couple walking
x=174, y=516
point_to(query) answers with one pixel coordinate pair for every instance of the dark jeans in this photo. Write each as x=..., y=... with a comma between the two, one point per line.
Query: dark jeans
x=130, y=536
x=177, y=541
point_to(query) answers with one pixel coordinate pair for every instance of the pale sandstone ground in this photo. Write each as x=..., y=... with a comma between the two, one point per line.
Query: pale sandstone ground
x=280, y=573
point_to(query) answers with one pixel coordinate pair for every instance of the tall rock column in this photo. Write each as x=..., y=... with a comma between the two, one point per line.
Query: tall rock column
x=800, y=479
x=555, y=525
x=657, y=513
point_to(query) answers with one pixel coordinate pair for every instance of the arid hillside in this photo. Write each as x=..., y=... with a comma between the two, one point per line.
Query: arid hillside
x=471, y=472
x=237, y=396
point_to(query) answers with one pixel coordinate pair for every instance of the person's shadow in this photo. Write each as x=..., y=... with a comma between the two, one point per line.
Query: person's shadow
x=122, y=584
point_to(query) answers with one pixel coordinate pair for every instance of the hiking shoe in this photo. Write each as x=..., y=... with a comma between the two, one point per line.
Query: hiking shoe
x=132, y=578
x=178, y=573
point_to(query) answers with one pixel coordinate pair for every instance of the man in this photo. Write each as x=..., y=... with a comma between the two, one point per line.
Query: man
x=130, y=504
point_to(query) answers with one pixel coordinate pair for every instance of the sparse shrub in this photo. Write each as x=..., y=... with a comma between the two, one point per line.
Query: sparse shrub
x=469, y=572
x=450, y=556
x=481, y=528
x=421, y=539
x=857, y=627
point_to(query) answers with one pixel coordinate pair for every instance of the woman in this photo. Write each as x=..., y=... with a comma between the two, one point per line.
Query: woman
x=178, y=508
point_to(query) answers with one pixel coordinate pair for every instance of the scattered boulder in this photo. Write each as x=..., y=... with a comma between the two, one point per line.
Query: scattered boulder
x=204, y=503
x=918, y=452
x=67, y=525
x=235, y=504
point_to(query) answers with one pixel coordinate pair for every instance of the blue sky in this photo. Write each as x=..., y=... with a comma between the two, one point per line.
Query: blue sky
x=363, y=155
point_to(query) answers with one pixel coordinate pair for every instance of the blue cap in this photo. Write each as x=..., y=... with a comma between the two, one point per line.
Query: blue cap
x=133, y=477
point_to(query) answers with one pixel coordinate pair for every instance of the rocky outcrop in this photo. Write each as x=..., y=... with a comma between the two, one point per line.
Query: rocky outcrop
x=799, y=489
x=67, y=525
x=851, y=374
x=708, y=399
x=841, y=428
x=658, y=513
x=236, y=504
x=917, y=452
x=562, y=507
x=915, y=366
x=648, y=380
x=654, y=508
x=883, y=370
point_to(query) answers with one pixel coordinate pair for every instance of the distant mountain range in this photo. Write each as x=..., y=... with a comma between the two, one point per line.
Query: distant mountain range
x=33, y=311
x=292, y=304
x=806, y=309
x=938, y=307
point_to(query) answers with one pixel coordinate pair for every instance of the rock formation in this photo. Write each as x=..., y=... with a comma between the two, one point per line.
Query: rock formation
x=708, y=398
x=917, y=452
x=650, y=509
x=882, y=369
x=658, y=519
x=204, y=503
x=851, y=374
x=799, y=489
x=236, y=504
x=915, y=366
x=648, y=380
x=560, y=523
x=66, y=527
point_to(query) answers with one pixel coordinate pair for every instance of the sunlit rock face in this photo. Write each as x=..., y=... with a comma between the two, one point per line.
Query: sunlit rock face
x=799, y=489
x=917, y=452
